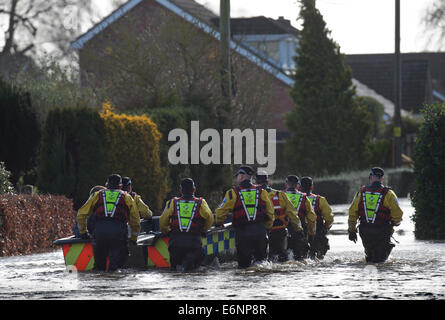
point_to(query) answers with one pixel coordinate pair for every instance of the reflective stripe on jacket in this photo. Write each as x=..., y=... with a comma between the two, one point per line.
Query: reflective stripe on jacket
x=111, y=205
x=249, y=207
x=371, y=208
x=186, y=216
x=281, y=219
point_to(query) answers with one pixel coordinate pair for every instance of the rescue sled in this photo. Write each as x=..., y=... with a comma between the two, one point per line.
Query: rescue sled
x=151, y=249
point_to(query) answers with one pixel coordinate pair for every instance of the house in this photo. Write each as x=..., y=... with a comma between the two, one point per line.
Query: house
x=272, y=38
x=423, y=76
x=145, y=12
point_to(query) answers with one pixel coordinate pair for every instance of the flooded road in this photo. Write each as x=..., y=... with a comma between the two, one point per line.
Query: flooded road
x=415, y=270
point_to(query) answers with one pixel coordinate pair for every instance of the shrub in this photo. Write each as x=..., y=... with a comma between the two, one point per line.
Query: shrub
x=20, y=131
x=30, y=224
x=429, y=187
x=133, y=149
x=211, y=180
x=5, y=184
x=71, y=158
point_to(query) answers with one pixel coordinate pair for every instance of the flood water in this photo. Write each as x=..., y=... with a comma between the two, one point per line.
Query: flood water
x=415, y=270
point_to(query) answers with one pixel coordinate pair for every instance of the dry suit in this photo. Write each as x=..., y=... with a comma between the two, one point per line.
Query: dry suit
x=378, y=210
x=112, y=210
x=285, y=213
x=184, y=219
x=325, y=219
x=252, y=216
x=308, y=220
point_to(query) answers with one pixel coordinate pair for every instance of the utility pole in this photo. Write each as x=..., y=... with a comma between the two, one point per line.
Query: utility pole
x=398, y=93
x=226, y=73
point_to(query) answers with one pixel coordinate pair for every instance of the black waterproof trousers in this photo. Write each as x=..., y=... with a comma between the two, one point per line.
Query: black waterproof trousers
x=376, y=240
x=320, y=244
x=278, y=245
x=109, y=242
x=251, y=243
x=186, y=252
x=297, y=242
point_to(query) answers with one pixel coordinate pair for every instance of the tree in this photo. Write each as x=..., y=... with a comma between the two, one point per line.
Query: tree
x=20, y=132
x=429, y=171
x=329, y=129
x=29, y=23
x=434, y=20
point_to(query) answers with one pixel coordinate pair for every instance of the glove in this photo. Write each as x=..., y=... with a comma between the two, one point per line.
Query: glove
x=84, y=235
x=353, y=236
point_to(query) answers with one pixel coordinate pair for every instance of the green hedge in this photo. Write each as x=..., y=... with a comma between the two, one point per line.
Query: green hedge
x=81, y=147
x=429, y=169
x=71, y=157
x=20, y=133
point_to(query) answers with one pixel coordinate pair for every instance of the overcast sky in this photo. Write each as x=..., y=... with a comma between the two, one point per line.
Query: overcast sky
x=358, y=26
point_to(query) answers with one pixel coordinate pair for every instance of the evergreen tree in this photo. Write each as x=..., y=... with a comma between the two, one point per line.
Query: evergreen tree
x=19, y=131
x=429, y=172
x=330, y=131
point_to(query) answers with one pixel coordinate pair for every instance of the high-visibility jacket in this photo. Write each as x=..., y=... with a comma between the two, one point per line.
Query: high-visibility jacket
x=186, y=217
x=374, y=204
x=125, y=200
x=304, y=209
x=111, y=205
x=257, y=205
x=322, y=209
x=144, y=210
x=284, y=211
x=194, y=216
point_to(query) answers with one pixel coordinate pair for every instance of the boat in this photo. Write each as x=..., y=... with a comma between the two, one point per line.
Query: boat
x=151, y=249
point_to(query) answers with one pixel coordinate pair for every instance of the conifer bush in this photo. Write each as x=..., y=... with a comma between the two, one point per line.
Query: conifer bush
x=71, y=158
x=19, y=131
x=330, y=130
x=429, y=170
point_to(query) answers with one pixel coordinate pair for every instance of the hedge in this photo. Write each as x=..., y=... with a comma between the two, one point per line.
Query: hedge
x=133, y=149
x=20, y=132
x=72, y=153
x=429, y=188
x=30, y=223
x=81, y=147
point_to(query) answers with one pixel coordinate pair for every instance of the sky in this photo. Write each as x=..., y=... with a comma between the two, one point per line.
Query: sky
x=358, y=26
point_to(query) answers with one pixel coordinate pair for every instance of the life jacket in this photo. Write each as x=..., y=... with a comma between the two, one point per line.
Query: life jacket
x=249, y=207
x=297, y=199
x=281, y=219
x=315, y=202
x=111, y=205
x=186, y=217
x=370, y=207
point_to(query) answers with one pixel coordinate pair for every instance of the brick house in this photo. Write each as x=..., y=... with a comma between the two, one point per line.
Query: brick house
x=145, y=13
x=265, y=44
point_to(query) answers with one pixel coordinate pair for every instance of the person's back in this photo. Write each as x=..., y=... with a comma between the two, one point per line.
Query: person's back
x=325, y=218
x=252, y=215
x=112, y=210
x=143, y=209
x=285, y=214
x=184, y=219
x=305, y=213
x=377, y=209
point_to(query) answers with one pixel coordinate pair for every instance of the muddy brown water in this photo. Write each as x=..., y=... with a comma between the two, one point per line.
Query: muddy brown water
x=415, y=270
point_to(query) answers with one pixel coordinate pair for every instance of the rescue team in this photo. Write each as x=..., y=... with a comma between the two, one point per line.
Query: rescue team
x=267, y=222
